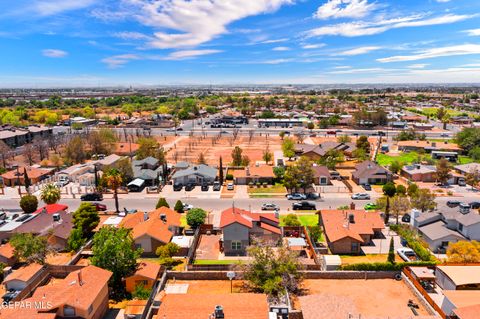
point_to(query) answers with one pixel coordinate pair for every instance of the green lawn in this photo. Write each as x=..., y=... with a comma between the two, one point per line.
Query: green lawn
x=183, y=220
x=271, y=189
x=405, y=158
x=432, y=111
x=216, y=262
x=465, y=160
x=305, y=220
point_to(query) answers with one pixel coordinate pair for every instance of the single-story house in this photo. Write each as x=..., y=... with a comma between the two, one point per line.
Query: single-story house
x=346, y=230
x=369, y=172
x=315, y=152
x=148, y=169
x=458, y=277
x=420, y=173
x=241, y=227
x=15, y=177
x=428, y=146
x=254, y=174
x=146, y=274
x=321, y=175
x=196, y=174
x=19, y=279
x=467, y=168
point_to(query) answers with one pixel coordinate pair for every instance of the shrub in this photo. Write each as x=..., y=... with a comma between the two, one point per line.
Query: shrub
x=141, y=292
x=386, y=266
x=265, y=184
x=196, y=217
x=162, y=202
x=178, y=207
x=250, y=184
x=29, y=203
x=258, y=184
x=292, y=220
x=229, y=177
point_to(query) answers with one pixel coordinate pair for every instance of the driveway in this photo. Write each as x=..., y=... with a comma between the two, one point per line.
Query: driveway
x=382, y=246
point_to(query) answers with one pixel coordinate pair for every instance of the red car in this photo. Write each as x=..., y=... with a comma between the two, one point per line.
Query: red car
x=100, y=207
x=331, y=133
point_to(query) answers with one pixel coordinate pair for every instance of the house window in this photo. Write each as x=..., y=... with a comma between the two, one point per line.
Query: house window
x=445, y=243
x=460, y=227
x=68, y=311
x=236, y=245
x=354, y=246
x=323, y=180
x=138, y=246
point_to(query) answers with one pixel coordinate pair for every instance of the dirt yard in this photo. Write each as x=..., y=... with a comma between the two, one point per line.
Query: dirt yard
x=372, y=299
x=199, y=287
x=212, y=148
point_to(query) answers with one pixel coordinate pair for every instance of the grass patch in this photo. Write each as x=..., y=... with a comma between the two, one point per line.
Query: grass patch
x=405, y=158
x=271, y=189
x=305, y=220
x=183, y=220
x=216, y=262
x=465, y=160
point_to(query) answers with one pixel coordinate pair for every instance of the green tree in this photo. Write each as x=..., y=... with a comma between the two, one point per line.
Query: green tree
x=344, y=139
x=474, y=153
x=114, y=180
x=401, y=190
x=424, y=200
x=114, y=250
x=443, y=171
x=237, y=158
x=178, y=207
x=29, y=248
x=141, y=292
x=412, y=189
x=196, y=217
x=86, y=219
x=29, y=203
x=75, y=150
x=306, y=173
x=360, y=154
x=267, y=155
x=272, y=270
x=292, y=220
x=288, y=148
x=399, y=205
x=331, y=159
x=220, y=171
x=291, y=178
x=363, y=143
x=162, y=202
x=50, y=194
x=310, y=126
x=282, y=134
x=166, y=253
x=148, y=146
x=396, y=166
x=389, y=191
x=468, y=138
x=76, y=240
x=391, y=252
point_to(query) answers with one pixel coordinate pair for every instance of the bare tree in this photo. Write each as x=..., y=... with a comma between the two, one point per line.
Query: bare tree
x=4, y=153
x=30, y=153
x=41, y=146
x=251, y=133
x=235, y=133
x=300, y=137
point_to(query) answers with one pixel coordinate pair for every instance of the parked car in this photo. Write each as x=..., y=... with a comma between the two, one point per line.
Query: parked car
x=189, y=187
x=100, y=207
x=453, y=203
x=204, y=187
x=361, y=196
x=269, y=206
x=62, y=183
x=474, y=205
x=407, y=254
x=406, y=218
x=461, y=182
x=444, y=135
x=304, y=205
x=187, y=206
x=91, y=197
x=177, y=187
x=216, y=186
x=370, y=206
x=313, y=196
x=230, y=187
x=367, y=187
x=296, y=196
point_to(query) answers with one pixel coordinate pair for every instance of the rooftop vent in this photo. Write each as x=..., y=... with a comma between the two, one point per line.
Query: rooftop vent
x=145, y=216
x=351, y=218
x=163, y=217
x=56, y=217
x=218, y=313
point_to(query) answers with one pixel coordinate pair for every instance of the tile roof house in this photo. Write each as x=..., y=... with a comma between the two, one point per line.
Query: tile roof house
x=82, y=294
x=7, y=255
x=254, y=174
x=235, y=306
x=196, y=174
x=315, y=152
x=461, y=300
x=428, y=146
x=19, y=279
x=321, y=175
x=12, y=178
x=347, y=230
x=369, y=172
x=438, y=229
x=146, y=274
x=154, y=229
x=240, y=227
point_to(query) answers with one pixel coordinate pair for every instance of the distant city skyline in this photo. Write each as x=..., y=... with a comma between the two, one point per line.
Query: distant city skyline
x=48, y=43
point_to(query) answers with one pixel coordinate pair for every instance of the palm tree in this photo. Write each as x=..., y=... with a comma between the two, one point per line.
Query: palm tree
x=114, y=180
x=50, y=194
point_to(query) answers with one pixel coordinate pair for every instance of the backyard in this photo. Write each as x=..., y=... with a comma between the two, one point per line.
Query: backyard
x=305, y=220
x=378, y=258
x=404, y=158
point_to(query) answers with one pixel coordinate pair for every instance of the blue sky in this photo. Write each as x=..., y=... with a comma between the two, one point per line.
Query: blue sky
x=154, y=42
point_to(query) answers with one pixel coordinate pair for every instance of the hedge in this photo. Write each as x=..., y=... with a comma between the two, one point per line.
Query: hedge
x=386, y=266
x=414, y=242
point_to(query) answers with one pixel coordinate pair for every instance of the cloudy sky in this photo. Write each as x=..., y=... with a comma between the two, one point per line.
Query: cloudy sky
x=134, y=42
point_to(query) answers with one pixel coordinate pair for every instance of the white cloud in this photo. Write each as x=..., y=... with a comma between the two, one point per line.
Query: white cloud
x=118, y=61
x=366, y=70
x=443, y=1
x=54, y=53
x=196, y=21
x=274, y=41
x=464, y=49
x=189, y=54
x=342, y=67
x=473, y=32
x=52, y=7
x=362, y=28
x=344, y=9
x=360, y=50
x=313, y=46
x=127, y=35
x=277, y=61
x=281, y=49
x=417, y=66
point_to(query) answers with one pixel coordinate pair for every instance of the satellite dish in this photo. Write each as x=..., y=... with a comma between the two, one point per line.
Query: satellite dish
x=231, y=275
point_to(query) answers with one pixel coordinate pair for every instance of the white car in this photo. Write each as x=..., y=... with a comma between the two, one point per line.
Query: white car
x=187, y=206
x=361, y=196
x=230, y=186
x=270, y=206
x=296, y=196
x=407, y=254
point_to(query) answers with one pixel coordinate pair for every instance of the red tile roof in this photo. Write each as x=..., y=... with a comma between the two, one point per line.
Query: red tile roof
x=270, y=228
x=245, y=218
x=469, y=312
x=25, y=273
x=147, y=269
x=53, y=208
x=7, y=251
x=337, y=226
